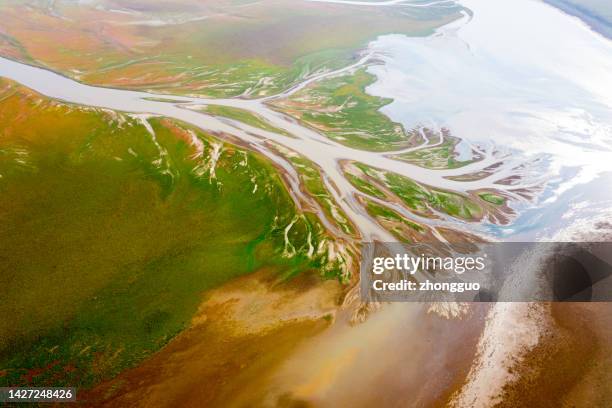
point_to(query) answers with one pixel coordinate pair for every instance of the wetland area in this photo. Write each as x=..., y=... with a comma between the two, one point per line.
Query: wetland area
x=185, y=195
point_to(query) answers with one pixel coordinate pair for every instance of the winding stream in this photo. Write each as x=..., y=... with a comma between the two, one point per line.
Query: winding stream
x=462, y=77
x=319, y=149
x=519, y=81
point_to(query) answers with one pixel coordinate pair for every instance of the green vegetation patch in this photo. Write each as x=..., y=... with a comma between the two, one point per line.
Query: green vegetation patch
x=377, y=210
x=439, y=157
x=493, y=198
x=417, y=197
x=111, y=235
x=310, y=175
x=340, y=108
x=365, y=186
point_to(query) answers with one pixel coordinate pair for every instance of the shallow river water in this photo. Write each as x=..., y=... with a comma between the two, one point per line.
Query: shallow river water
x=517, y=76
x=518, y=80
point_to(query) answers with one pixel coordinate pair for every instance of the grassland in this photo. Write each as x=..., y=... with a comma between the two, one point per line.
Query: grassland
x=112, y=233
x=221, y=48
x=401, y=227
x=493, y=198
x=380, y=211
x=442, y=156
x=420, y=199
x=341, y=109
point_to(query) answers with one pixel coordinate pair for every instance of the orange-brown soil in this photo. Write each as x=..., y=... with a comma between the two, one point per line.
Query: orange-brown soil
x=242, y=332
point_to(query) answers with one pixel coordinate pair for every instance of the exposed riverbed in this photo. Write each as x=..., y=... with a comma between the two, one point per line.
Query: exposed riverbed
x=520, y=81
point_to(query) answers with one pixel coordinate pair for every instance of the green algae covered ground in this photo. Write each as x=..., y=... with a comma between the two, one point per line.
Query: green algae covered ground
x=340, y=108
x=113, y=226
x=420, y=199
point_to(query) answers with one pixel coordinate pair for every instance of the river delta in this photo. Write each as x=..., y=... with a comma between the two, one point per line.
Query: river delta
x=184, y=213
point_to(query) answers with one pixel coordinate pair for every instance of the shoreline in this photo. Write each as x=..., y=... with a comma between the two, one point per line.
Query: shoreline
x=594, y=21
